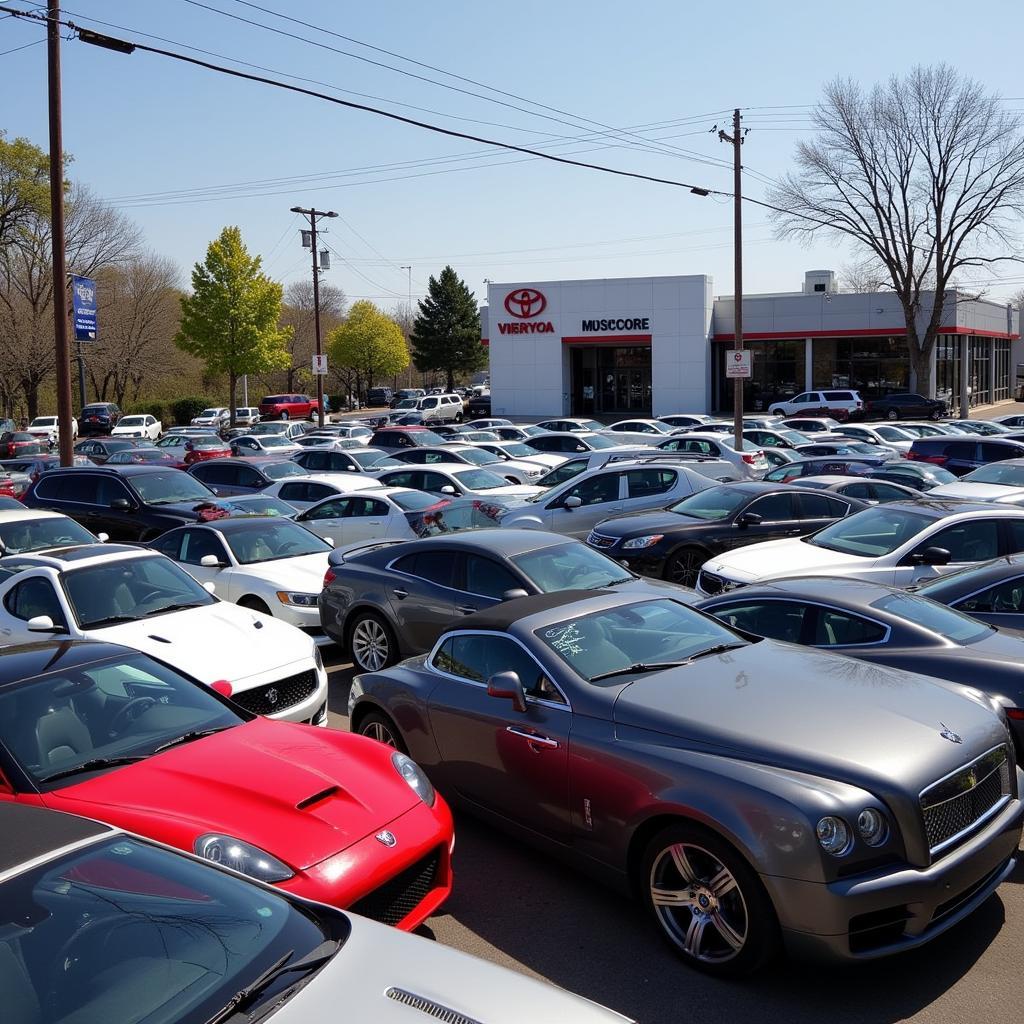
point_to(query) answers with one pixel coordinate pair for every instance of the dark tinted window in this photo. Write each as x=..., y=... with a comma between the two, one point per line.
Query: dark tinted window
x=953, y=625
x=435, y=566
x=314, y=460
x=246, y=476
x=772, y=508
x=864, y=491
x=835, y=628
x=839, y=396
x=596, y=490
x=971, y=541
x=778, y=620
x=487, y=578
x=820, y=506
x=223, y=474
x=69, y=487
x=963, y=450
x=645, y=482
x=169, y=544
x=1006, y=597
x=412, y=478
x=1014, y=535
x=35, y=597
x=298, y=492
x=196, y=544
x=992, y=452
x=372, y=507
x=329, y=510
x=478, y=657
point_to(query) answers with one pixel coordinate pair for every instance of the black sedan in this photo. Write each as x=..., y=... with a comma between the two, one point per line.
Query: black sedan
x=991, y=591
x=390, y=600
x=886, y=626
x=870, y=454
x=904, y=406
x=99, y=449
x=674, y=543
x=919, y=476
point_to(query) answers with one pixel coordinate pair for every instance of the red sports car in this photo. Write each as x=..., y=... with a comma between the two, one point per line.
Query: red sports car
x=112, y=734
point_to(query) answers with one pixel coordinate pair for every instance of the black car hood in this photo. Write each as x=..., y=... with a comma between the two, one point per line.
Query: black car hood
x=644, y=522
x=814, y=712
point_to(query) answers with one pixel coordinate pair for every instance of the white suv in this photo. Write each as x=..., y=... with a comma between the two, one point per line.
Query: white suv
x=431, y=409
x=812, y=403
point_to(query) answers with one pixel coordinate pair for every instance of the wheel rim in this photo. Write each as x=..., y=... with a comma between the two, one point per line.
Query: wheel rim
x=379, y=731
x=684, y=567
x=699, y=903
x=370, y=647
x=893, y=414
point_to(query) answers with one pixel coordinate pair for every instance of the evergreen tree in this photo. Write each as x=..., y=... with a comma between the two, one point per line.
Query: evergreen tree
x=446, y=333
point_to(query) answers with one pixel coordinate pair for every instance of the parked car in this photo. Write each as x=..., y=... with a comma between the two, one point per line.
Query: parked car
x=515, y=471
x=808, y=466
x=874, y=492
x=931, y=430
x=393, y=439
x=687, y=419
x=884, y=435
x=17, y=443
x=288, y=407
x=99, y=449
x=98, y=418
x=350, y=460
x=215, y=418
x=404, y=394
x=479, y=405
x=379, y=396
x=27, y=530
x=263, y=444
x=359, y=431
x=780, y=437
x=872, y=454
x=142, y=600
x=305, y=491
x=836, y=403
x=291, y=429
x=128, y=503
x=898, y=544
x=996, y=482
x=439, y=408
x=750, y=460
x=146, y=457
x=387, y=601
x=24, y=469
x=493, y=422
x=455, y=480
x=776, y=457
x=884, y=626
x=673, y=542
x=49, y=428
x=267, y=564
x=229, y=476
x=637, y=431
x=193, y=448
x=575, y=507
x=905, y=406
x=572, y=442
x=518, y=451
x=452, y=431
x=144, y=426
x=991, y=592
x=571, y=424
x=961, y=455
x=514, y=432
x=1013, y=420
x=670, y=748
x=986, y=428
x=920, y=476
x=121, y=734
x=383, y=513
x=247, y=416
x=257, y=505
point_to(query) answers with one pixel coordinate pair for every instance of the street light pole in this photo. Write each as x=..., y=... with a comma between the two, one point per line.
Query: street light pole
x=313, y=215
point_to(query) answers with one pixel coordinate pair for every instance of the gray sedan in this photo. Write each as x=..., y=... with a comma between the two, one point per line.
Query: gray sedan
x=754, y=795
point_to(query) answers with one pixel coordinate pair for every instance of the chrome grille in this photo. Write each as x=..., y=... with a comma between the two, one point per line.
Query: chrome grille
x=599, y=540
x=436, y=1010
x=957, y=804
x=278, y=696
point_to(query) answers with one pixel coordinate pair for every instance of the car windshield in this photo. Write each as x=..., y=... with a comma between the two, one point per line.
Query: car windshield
x=140, y=455
x=209, y=413
x=519, y=450
x=586, y=425
x=131, y=588
x=478, y=456
x=280, y=470
x=426, y=438
x=479, y=479
x=132, y=421
x=169, y=486
x=370, y=458
x=997, y=473
x=635, y=637
x=872, y=533
x=599, y=441
x=277, y=441
x=946, y=622
x=894, y=434
x=44, y=421
x=570, y=566
x=794, y=437
x=271, y=540
x=274, y=427
x=172, y=705
x=711, y=504
x=36, y=534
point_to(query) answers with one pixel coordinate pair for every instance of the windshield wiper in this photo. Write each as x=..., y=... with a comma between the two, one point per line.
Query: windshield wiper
x=111, y=620
x=176, y=607
x=717, y=649
x=285, y=965
x=93, y=765
x=188, y=737
x=640, y=666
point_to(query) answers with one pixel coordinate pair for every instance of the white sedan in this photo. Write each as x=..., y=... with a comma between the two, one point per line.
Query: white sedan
x=49, y=428
x=522, y=453
x=515, y=471
x=143, y=600
x=638, y=431
x=138, y=426
x=264, y=444
x=454, y=480
x=26, y=530
x=389, y=513
x=269, y=565
x=304, y=491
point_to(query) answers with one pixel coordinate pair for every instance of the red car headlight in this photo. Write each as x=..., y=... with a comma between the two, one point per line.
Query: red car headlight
x=241, y=856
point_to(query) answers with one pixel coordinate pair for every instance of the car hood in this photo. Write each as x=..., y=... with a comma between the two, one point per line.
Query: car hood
x=302, y=574
x=978, y=492
x=647, y=586
x=815, y=712
x=248, y=782
x=219, y=641
x=639, y=524
x=190, y=509
x=786, y=557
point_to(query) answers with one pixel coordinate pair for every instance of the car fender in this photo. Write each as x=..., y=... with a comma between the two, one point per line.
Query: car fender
x=526, y=522
x=402, y=693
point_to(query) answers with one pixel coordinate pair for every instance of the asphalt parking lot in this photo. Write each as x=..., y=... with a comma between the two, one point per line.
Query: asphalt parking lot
x=513, y=907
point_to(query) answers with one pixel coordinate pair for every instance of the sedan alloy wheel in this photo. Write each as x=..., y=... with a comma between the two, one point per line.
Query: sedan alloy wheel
x=372, y=645
x=684, y=566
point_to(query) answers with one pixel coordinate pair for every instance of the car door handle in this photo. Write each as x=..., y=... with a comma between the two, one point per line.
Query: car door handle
x=400, y=594
x=533, y=737
x=466, y=609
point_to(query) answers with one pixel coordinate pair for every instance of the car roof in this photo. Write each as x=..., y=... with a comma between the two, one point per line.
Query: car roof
x=843, y=590
x=229, y=525
x=34, y=833
x=521, y=610
x=21, y=515
x=939, y=509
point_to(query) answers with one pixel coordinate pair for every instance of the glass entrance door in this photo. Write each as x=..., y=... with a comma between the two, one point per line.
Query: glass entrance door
x=611, y=382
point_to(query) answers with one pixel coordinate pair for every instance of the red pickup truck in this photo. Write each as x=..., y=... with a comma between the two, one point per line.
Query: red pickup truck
x=288, y=407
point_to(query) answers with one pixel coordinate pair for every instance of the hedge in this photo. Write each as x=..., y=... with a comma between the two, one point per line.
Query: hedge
x=184, y=410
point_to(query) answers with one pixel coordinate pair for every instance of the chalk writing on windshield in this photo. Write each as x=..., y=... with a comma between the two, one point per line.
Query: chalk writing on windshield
x=565, y=639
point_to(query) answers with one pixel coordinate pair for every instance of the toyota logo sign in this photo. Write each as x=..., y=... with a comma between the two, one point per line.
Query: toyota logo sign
x=525, y=302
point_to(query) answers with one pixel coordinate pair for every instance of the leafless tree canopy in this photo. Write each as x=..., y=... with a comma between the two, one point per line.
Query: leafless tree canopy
x=298, y=314
x=925, y=174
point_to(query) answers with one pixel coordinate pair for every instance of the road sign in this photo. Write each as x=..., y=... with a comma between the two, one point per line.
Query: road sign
x=83, y=307
x=319, y=365
x=737, y=362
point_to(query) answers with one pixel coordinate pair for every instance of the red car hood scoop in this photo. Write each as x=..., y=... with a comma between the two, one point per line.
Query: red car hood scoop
x=297, y=792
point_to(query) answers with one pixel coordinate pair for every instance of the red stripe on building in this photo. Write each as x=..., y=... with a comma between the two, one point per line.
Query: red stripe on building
x=609, y=339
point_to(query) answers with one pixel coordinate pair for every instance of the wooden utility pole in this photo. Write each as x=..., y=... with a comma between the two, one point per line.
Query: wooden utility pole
x=62, y=351
x=736, y=139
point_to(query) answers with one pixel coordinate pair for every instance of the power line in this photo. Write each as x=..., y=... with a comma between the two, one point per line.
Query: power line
x=24, y=46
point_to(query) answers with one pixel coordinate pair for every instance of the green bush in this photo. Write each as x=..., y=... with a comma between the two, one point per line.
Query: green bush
x=184, y=410
x=152, y=406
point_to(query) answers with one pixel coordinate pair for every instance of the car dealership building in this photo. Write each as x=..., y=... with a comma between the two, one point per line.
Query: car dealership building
x=656, y=345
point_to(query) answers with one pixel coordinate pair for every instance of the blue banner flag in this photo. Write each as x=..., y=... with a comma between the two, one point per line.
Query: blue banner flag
x=83, y=306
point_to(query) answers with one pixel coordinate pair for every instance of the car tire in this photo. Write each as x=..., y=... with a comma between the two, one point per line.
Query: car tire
x=683, y=566
x=892, y=414
x=458, y=417
x=371, y=642
x=378, y=726
x=708, y=902
x=254, y=604
x=936, y=414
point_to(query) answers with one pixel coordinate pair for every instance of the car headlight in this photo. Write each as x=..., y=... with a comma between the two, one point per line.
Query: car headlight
x=643, y=542
x=302, y=600
x=415, y=776
x=872, y=826
x=241, y=856
x=833, y=835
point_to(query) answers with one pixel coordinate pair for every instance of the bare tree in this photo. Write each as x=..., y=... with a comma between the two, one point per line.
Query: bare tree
x=298, y=314
x=924, y=174
x=865, y=275
x=1017, y=299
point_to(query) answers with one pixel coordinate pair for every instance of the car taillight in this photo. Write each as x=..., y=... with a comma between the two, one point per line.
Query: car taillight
x=329, y=577
x=935, y=460
x=1017, y=714
x=749, y=458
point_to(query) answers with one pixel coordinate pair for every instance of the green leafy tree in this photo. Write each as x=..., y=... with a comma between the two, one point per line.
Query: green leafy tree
x=24, y=184
x=230, y=320
x=446, y=334
x=369, y=344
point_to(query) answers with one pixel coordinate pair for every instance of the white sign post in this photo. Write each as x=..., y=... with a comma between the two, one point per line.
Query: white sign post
x=737, y=362
x=320, y=365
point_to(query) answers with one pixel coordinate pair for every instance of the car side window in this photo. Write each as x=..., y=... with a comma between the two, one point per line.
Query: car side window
x=315, y=461
x=595, y=491
x=434, y=482
x=328, y=510
x=437, y=567
x=369, y=507
x=170, y=545
x=864, y=491
x=317, y=492
x=643, y=483
x=1014, y=536
x=971, y=541
x=886, y=492
x=773, y=508
x=699, y=447
x=835, y=628
x=337, y=461
x=110, y=491
x=963, y=450
x=196, y=544
x=487, y=578
x=820, y=506
x=404, y=480
x=34, y=597
x=1006, y=598
x=479, y=656
x=297, y=492
x=246, y=476
x=777, y=620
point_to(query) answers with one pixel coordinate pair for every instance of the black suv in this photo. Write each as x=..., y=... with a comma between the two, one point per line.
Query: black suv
x=379, y=396
x=479, y=405
x=962, y=454
x=98, y=418
x=129, y=503
x=905, y=406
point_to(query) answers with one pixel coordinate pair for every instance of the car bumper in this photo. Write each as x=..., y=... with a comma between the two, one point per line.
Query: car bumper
x=401, y=885
x=259, y=693
x=875, y=915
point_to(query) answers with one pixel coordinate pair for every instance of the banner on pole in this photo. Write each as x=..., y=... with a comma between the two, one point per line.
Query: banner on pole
x=83, y=308
x=319, y=365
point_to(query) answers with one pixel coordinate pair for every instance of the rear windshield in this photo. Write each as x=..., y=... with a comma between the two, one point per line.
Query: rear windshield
x=271, y=399
x=953, y=625
x=413, y=501
x=711, y=504
x=279, y=470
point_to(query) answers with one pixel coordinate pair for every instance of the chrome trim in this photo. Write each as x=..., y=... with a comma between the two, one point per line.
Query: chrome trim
x=990, y=586
x=531, y=737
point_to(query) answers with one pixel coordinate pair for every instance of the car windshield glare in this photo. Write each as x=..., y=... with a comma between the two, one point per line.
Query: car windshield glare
x=931, y=615
x=872, y=533
x=273, y=539
x=730, y=442
x=618, y=640
x=36, y=534
x=479, y=479
x=280, y=470
x=131, y=421
x=997, y=473
x=165, y=488
x=570, y=566
x=412, y=501
x=276, y=441
x=711, y=504
x=478, y=456
x=599, y=441
x=518, y=450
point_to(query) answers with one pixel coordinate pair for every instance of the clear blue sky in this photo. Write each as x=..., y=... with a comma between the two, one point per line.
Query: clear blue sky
x=143, y=125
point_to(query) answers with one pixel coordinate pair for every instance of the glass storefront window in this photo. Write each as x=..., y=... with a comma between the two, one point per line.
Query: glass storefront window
x=777, y=373
x=611, y=381
x=872, y=366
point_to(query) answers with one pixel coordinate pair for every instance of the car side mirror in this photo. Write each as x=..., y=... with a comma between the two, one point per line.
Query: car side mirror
x=515, y=592
x=573, y=501
x=210, y=562
x=209, y=586
x=507, y=686
x=103, y=537
x=122, y=505
x=932, y=556
x=448, y=489
x=43, y=624
x=748, y=519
